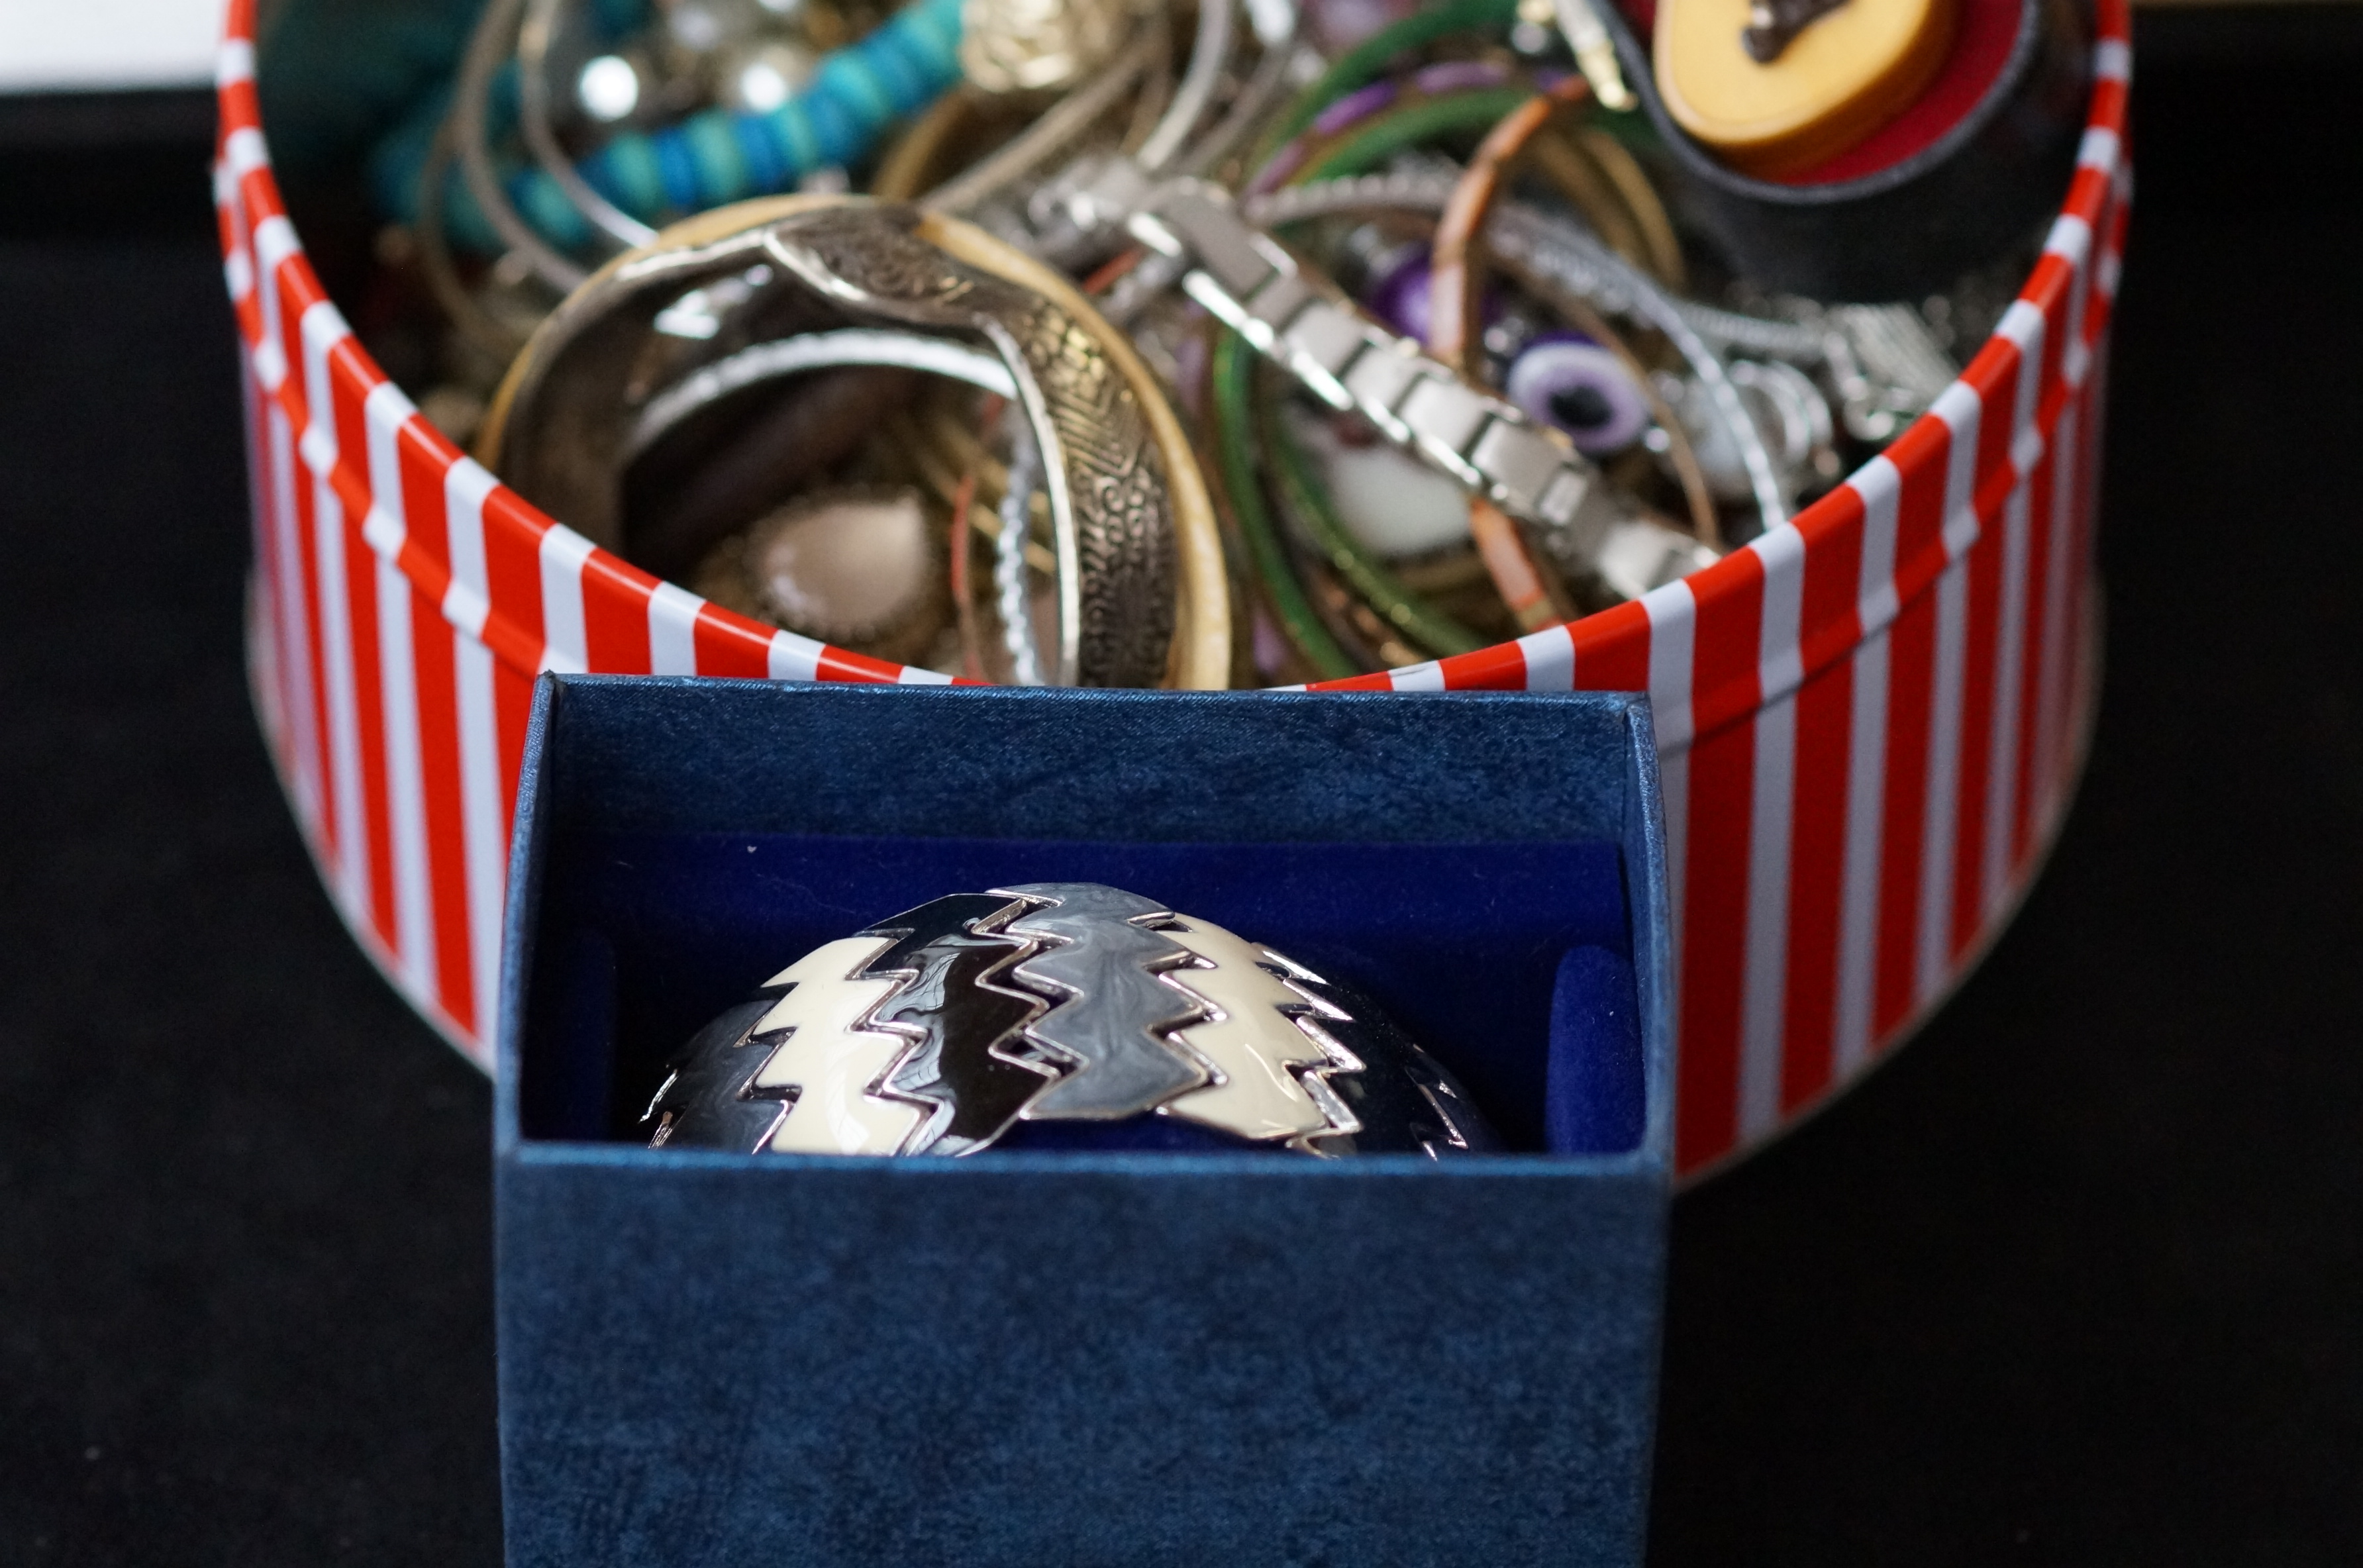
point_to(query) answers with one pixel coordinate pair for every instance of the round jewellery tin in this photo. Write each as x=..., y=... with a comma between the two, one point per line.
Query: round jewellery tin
x=1869, y=720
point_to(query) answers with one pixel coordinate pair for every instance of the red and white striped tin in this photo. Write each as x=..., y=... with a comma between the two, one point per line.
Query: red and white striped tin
x=1869, y=720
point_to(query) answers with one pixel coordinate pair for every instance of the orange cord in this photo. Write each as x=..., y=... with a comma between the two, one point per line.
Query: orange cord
x=1455, y=326
x=1115, y=267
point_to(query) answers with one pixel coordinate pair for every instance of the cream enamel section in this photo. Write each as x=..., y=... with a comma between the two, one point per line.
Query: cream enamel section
x=1257, y=1048
x=831, y=1060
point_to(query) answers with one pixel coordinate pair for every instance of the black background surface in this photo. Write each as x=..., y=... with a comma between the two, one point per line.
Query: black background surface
x=2076, y=1278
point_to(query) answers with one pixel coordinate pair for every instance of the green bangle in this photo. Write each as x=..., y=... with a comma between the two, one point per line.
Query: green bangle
x=1229, y=386
x=1370, y=146
x=1308, y=505
x=1367, y=61
x=1378, y=138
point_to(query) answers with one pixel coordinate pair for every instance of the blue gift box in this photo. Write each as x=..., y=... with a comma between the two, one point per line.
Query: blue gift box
x=1119, y=1357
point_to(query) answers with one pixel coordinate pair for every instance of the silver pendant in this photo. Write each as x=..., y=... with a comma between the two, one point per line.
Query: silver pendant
x=1054, y=1015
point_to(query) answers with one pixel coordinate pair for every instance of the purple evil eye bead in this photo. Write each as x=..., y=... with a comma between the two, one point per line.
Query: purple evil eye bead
x=1567, y=379
x=1399, y=295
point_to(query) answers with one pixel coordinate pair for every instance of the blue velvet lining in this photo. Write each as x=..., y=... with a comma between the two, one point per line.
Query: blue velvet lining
x=1512, y=962
x=1597, y=1095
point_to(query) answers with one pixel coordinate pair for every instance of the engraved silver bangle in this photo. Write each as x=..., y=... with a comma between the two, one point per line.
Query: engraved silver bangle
x=1009, y=554
x=840, y=281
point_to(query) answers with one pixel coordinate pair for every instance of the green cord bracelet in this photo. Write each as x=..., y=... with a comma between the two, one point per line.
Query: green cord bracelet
x=1302, y=497
x=1231, y=387
x=1367, y=61
x=1230, y=382
x=1383, y=136
x=1301, y=492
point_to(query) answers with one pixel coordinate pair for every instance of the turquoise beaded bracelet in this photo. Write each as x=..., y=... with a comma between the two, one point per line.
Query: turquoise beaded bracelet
x=717, y=156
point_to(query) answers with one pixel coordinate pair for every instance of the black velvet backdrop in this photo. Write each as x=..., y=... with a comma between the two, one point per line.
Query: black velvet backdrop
x=2076, y=1278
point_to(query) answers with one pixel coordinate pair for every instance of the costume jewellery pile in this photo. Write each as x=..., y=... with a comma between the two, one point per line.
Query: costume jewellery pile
x=1116, y=343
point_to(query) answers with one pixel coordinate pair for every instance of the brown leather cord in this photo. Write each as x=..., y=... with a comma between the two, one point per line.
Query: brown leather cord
x=1453, y=325
x=1534, y=598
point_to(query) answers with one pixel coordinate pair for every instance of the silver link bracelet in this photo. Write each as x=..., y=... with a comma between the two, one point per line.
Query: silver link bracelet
x=1308, y=326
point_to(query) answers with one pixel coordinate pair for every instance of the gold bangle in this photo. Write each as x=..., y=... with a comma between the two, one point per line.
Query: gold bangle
x=1140, y=581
